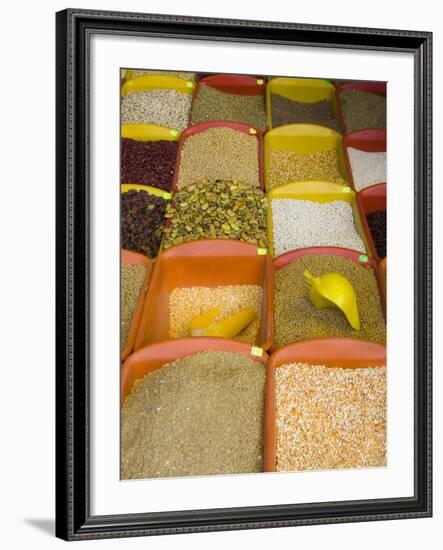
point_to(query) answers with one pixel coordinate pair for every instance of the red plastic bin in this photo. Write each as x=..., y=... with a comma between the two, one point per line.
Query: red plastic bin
x=330, y=352
x=371, y=199
x=203, y=127
x=153, y=357
x=371, y=140
x=378, y=88
x=133, y=258
x=207, y=263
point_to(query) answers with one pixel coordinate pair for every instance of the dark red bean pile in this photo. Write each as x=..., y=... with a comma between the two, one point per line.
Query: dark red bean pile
x=287, y=111
x=148, y=162
x=377, y=226
x=142, y=221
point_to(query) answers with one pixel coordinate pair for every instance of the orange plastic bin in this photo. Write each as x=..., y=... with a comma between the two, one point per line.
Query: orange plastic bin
x=330, y=352
x=207, y=263
x=153, y=357
x=133, y=258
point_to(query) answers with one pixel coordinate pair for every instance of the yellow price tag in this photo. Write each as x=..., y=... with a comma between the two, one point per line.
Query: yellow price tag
x=167, y=196
x=346, y=189
x=173, y=133
x=260, y=81
x=363, y=258
x=189, y=84
x=256, y=351
x=261, y=251
x=252, y=131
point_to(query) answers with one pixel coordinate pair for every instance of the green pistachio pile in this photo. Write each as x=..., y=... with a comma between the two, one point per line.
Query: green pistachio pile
x=217, y=210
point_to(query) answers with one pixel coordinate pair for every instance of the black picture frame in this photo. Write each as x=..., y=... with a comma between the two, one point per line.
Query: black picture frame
x=74, y=27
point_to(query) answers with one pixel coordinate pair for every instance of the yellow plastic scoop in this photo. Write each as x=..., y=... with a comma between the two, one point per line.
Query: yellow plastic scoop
x=229, y=327
x=334, y=290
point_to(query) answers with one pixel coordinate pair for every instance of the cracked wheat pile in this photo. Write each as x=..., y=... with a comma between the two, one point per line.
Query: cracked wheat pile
x=199, y=415
x=330, y=417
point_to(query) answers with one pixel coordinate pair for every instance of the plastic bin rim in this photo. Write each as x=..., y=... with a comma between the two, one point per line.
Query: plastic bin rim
x=289, y=257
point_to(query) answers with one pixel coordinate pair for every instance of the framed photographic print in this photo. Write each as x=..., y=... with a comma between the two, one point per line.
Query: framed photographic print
x=243, y=274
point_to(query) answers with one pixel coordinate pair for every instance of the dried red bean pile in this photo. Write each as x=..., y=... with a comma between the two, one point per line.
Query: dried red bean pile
x=142, y=220
x=287, y=111
x=148, y=162
x=377, y=226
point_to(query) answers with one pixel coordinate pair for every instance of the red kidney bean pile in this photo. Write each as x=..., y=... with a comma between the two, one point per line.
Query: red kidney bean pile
x=377, y=226
x=142, y=221
x=148, y=162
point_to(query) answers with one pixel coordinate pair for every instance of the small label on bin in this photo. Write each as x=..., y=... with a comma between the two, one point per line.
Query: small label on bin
x=173, y=133
x=258, y=352
x=189, y=84
x=260, y=81
x=167, y=196
x=252, y=131
x=363, y=258
x=346, y=189
x=261, y=251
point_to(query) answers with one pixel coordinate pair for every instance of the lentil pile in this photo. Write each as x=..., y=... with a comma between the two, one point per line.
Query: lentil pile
x=131, y=282
x=288, y=166
x=148, y=162
x=288, y=111
x=301, y=224
x=211, y=104
x=296, y=318
x=363, y=110
x=219, y=153
x=187, y=303
x=377, y=226
x=164, y=107
x=217, y=210
x=142, y=72
x=142, y=220
x=330, y=417
x=199, y=415
x=367, y=168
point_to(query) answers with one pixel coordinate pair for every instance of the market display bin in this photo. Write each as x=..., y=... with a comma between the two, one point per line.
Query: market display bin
x=157, y=82
x=378, y=88
x=153, y=357
x=330, y=352
x=203, y=127
x=370, y=200
x=303, y=139
x=208, y=263
x=133, y=258
x=371, y=140
x=125, y=187
x=149, y=132
x=321, y=192
x=232, y=84
x=361, y=259
x=304, y=90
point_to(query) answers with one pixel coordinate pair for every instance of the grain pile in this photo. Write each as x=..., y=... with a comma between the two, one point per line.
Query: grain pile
x=217, y=210
x=148, y=162
x=367, y=168
x=330, y=417
x=296, y=318
x=288, y=111
x=377, y=226
x=219, y=154
x=187, y=303
x=142, y=221
x=302, y=224
x=288, y=166
x=363, y=110
x=131, y=282
x=211, y=104
x=164, y=107
x=199, y=415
